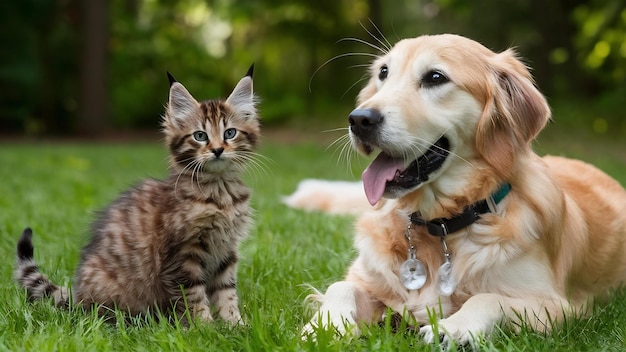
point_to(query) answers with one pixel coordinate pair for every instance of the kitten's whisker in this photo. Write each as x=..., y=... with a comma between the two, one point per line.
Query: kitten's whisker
x=254, y=161
x=261, y=160
x=198, y=171
x=183, y=171
x=189, y=171
x=245, y=164
x=261, y=156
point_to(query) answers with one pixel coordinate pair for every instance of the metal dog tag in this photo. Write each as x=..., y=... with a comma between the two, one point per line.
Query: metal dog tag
x=447, y=282
x=413, y=274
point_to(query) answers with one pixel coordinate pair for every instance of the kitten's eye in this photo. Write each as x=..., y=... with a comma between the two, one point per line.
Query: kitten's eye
x=230, y=133
x=384, y=71
x=200, y=136
x=433, y=78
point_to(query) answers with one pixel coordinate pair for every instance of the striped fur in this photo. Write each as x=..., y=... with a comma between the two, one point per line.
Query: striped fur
x=168, y=245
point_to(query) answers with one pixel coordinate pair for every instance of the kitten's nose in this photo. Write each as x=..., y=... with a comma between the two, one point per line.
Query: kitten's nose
x=217, y=152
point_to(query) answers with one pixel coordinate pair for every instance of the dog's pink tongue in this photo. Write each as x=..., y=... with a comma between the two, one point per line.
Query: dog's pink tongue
x=381, y=170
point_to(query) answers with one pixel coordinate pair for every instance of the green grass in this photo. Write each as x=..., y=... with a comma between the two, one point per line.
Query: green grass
x=55, y=188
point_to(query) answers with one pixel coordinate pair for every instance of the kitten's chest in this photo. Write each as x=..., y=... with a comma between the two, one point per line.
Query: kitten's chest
x=223, y=207
x=209, y=224
x=217, y=222
x=218, y=235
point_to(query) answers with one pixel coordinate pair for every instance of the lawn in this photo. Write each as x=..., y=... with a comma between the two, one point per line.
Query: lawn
x=55, y=188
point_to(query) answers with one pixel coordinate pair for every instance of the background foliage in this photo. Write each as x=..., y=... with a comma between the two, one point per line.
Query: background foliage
x=51, y=85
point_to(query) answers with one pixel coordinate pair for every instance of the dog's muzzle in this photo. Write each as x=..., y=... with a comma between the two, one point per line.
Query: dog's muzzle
x=389, y=173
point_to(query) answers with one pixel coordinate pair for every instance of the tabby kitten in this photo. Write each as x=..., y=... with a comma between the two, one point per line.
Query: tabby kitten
x=172, y=244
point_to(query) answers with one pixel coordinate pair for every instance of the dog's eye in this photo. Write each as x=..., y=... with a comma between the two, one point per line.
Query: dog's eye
x=433, y=78
x=384, y=71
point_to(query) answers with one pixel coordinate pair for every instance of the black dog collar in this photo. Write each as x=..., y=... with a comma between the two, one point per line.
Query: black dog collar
x=443, y=226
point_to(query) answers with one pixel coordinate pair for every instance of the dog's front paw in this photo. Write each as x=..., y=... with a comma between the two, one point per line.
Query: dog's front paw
x=430, y=334
x=340, y=326
x=447, y=331
x=309, y=330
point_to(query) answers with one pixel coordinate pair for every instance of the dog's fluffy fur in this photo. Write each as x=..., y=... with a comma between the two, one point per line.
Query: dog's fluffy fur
x=559, y=236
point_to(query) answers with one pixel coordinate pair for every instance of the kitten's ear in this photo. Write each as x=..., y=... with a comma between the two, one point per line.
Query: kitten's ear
x=250, y=71
x=242, y=97
x=171, y=78
x=181, y=103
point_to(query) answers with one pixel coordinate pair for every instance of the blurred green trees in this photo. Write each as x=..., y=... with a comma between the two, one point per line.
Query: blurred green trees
x=53, y=78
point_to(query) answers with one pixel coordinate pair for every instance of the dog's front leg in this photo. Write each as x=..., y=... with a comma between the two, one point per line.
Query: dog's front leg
x=481, y=313
x=343, y=307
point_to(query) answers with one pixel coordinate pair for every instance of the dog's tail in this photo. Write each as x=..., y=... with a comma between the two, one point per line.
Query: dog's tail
x=27, y=274
x=333, y=197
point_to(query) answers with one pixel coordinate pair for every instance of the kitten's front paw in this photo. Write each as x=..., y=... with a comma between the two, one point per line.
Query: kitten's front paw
x=204, y=313
x=233, y=318
x=236, y=322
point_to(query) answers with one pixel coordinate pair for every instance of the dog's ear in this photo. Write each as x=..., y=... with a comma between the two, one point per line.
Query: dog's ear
x=515, y=112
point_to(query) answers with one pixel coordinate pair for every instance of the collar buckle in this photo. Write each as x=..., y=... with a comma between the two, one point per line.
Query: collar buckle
x=437, y=227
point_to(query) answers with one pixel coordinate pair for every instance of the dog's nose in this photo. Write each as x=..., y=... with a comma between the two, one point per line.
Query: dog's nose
x=364, y=121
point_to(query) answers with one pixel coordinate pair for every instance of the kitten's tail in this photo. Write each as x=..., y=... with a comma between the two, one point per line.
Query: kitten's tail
x=27, y=274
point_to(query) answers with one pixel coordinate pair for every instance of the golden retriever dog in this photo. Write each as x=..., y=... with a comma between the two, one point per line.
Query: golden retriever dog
x=467, y=223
